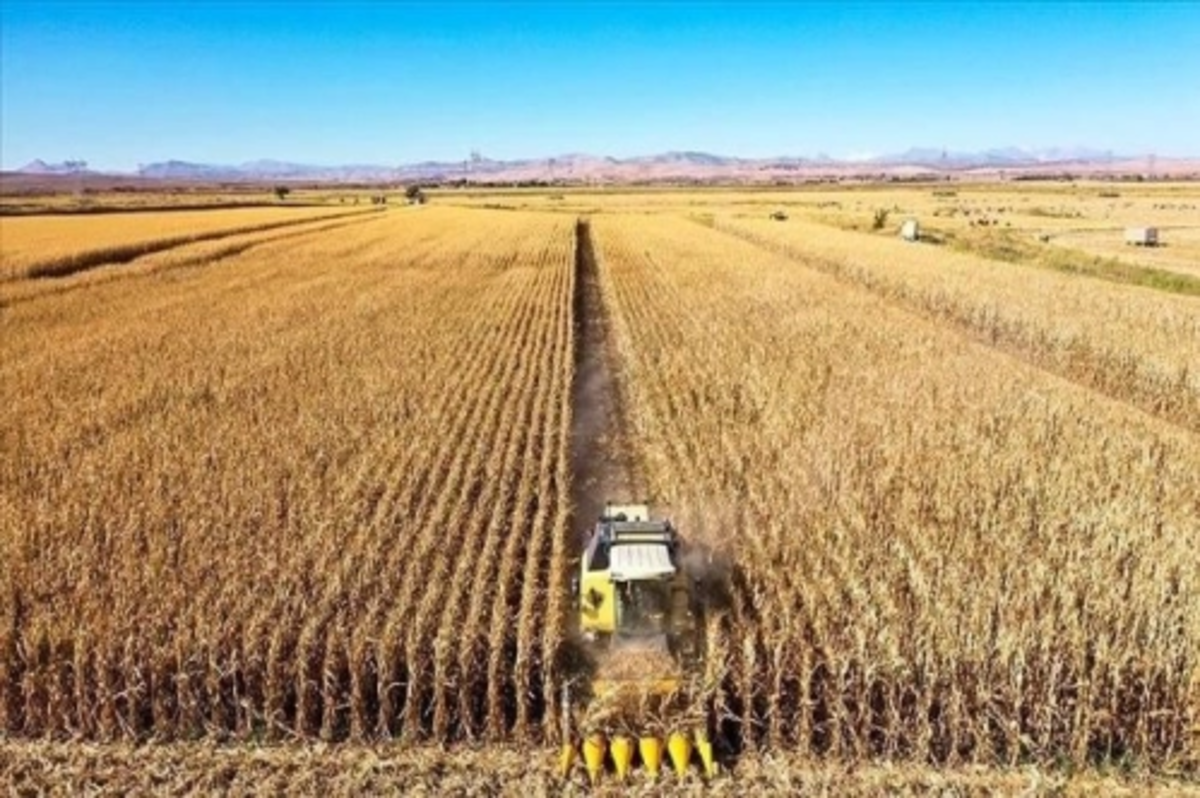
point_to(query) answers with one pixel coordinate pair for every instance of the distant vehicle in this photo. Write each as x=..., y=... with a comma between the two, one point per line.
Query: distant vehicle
x=911, y=231
x=1142, y=236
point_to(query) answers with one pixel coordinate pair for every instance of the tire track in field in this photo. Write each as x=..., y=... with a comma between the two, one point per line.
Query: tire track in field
x=600, y=464
x=598, y=458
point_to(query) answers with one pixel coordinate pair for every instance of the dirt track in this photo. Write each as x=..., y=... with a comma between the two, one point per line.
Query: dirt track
x=600, y=470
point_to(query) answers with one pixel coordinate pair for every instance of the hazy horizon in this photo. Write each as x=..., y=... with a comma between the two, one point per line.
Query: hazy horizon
x=122, y=84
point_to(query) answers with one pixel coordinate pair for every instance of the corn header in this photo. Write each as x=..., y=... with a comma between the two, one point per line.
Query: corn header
x=640, y=619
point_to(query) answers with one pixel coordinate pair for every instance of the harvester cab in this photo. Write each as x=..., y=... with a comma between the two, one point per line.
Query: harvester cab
x=639, y=616
x=632, y=593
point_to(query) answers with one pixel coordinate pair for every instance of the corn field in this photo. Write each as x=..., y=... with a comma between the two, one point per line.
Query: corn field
x=1138, y=346
x=311, y=491
x=943, y=553
x=308, y=479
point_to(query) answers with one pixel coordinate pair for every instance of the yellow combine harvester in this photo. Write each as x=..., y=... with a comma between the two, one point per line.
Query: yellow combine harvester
x=639, y=616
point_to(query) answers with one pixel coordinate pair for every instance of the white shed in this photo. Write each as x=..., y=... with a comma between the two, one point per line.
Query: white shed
x=1142, y=236
x=911, y=231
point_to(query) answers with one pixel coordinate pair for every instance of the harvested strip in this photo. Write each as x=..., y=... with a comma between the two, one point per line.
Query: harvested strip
x=56, y=246
x=195, y=254
x=340, y=770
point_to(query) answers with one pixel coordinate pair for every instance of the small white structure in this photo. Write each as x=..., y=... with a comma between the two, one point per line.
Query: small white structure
x=911, y=231
x=1142, y=236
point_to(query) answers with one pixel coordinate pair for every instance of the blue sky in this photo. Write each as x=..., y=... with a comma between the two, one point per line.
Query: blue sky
x=125, y=83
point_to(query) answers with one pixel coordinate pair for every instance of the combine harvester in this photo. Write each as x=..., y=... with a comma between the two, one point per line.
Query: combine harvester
x=640, y=616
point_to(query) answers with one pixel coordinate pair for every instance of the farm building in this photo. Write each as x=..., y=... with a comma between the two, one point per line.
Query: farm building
x=910, y=231
x=1142, y=236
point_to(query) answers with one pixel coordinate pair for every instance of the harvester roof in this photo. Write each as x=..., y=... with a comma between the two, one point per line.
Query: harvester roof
x=635, y=561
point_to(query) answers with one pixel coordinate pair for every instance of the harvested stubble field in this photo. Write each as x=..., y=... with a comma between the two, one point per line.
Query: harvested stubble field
x=316, y=490
x=56, y=246
x=51, y=768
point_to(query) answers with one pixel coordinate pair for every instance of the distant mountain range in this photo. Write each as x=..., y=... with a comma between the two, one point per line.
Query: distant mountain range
x=40, y=167
x=684, y=165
